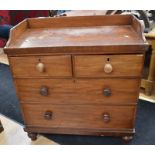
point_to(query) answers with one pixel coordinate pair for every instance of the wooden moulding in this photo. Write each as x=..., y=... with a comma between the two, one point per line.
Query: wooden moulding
x=19, y=32
x=138, y=28
x=126, y=135
x=97, y=132
x=78, y=21
x=16, y=31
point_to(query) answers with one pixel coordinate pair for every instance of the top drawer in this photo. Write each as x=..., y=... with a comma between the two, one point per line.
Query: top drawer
x=41, y=66
x=108, y=65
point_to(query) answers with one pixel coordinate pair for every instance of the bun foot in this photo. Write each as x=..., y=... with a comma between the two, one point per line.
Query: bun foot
x=33, y=136
x=1, y=127
x=127, y=139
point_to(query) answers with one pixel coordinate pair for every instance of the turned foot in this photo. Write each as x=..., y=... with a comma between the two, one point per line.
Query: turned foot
x=127, y=139
x=1, y=127
x=33, y=136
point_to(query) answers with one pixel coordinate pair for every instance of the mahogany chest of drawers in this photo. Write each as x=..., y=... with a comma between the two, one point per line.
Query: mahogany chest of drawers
x=78, y=75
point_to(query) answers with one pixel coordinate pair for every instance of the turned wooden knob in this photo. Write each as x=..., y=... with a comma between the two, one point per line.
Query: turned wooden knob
x=107, y=92
x=106, y=117
x=44, y=91
x=48, y=115
x=40, y=67
x=108, y=68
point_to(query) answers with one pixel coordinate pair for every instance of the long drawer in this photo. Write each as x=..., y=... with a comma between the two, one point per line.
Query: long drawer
x=79, y=116
x=80, y=91
x=41, y=66
x=108, y=65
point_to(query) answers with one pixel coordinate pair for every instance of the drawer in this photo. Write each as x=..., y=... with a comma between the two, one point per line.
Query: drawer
x=108, y=65
x=68, y=91
x=78, y=116
x=41, y=66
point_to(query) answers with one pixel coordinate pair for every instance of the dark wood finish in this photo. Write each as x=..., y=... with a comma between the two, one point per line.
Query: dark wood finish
x=33, y=136
x=1, y=127
x=48, y=115
x=122, y=65
x=127, y=139
x=79, y=91
x=106, y=117
x=44, y=91
x=78, y=75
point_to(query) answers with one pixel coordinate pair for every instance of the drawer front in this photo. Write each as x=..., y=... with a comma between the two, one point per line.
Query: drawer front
x=67, y=91
x=108, y=65
x=41, y=66
x=79, y=116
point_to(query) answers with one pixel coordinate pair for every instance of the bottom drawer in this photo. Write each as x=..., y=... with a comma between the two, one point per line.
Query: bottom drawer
x=79, y=116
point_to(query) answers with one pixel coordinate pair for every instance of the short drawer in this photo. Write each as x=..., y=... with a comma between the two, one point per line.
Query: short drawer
x=108, y=65
x=41, y=66
x=81, y=91
x=79, y=116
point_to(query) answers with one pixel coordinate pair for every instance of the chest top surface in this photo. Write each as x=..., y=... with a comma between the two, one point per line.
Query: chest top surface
x=77, y=32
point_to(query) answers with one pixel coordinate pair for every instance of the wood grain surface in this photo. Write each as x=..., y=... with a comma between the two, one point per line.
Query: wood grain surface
x=77, y=116
x=54, y=66
x=123, y=65
x=121, y=31
x=79, y=36
x=82, y=91
x=78, y=75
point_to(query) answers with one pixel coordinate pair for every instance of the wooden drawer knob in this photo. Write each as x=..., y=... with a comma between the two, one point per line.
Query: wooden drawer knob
x=106, y=117
x=48, y=115
x=107, y=92
x=108, y=68
x=44, y=91
x=40, y=67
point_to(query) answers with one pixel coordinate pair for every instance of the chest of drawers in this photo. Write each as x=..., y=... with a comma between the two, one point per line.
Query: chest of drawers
x=78, y=75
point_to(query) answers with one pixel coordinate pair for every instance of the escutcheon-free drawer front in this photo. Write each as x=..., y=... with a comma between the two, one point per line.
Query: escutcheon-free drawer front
x=77, y=116
x=80, y=91
x=78, y=75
